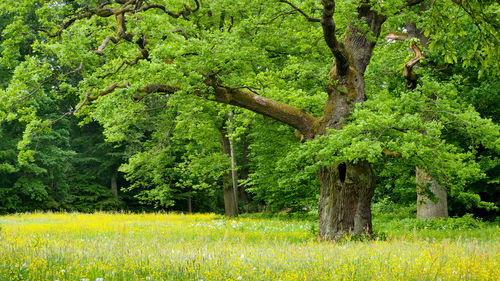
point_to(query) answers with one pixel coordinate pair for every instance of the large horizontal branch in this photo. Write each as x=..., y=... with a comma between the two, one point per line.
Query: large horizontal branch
x=290, y=115
x=155, y=88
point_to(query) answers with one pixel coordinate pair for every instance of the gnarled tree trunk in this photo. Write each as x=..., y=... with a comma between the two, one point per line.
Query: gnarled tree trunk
x=346, y=188
x=345, y=200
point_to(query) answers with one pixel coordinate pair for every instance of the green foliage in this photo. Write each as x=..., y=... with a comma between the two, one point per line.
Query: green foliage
x=279, y=186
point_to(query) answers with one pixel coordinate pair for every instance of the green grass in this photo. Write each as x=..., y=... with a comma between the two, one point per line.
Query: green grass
x=252, y=247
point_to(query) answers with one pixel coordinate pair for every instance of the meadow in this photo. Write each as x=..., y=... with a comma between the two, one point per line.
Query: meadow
x=161, y=246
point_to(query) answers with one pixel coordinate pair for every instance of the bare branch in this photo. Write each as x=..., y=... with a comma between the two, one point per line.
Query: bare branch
x=396, y=36
x=79, y=106
x=388, y=152
x=181, y=32
x=407, y=72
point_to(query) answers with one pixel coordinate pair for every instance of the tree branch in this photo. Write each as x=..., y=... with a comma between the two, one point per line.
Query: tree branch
x=184, y=13
x=308, y=18
x=407, y=72
x=88, y=97
x=396, y=36
x=388, y=152
x=337, y=48
x=290, y=115
x=413, y=2
x=34, y=91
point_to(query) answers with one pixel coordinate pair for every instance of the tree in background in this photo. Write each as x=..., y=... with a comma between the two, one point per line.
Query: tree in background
x=435, y=61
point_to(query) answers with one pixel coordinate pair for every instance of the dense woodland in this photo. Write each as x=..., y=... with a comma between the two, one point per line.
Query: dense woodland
x=253, y=105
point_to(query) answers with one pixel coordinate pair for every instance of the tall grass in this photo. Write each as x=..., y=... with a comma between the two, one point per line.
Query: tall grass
x=106, y=246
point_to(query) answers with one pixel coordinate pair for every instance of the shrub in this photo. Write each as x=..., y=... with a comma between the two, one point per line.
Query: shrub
x=460, y=223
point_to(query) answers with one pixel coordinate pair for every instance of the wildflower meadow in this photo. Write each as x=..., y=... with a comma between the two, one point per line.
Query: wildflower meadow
x=106, y=246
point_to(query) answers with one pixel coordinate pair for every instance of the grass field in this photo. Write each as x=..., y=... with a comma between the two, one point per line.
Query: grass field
x=105, y=246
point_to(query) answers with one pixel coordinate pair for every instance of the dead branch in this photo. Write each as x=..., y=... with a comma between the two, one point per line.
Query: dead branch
x=411, y=76
x=396, y=36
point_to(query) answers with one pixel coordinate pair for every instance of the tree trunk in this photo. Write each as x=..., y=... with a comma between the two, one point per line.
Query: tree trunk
x=435, y=206
x=234, y=173
x=230, y=209
x=114, y=185
x=189, y=204
x=345, y=200
x=244, y=172
x=346, y=188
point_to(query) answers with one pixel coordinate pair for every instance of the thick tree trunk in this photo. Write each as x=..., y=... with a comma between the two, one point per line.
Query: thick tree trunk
x=230, y=209
x=428, y=207
x=345, y=200
x=347, y=188
x=114, y=185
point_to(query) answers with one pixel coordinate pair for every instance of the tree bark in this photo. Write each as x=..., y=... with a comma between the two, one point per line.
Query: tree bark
x=345, y=200
x=428, y=207
x=230, y=209
x=346, y=188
